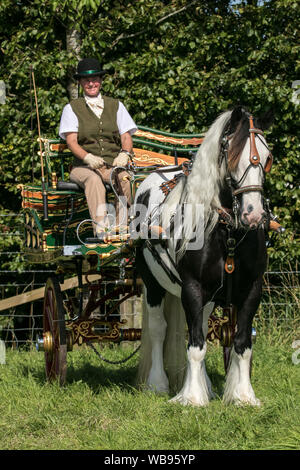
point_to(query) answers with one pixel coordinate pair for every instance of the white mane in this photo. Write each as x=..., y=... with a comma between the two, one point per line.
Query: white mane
x=202, y=186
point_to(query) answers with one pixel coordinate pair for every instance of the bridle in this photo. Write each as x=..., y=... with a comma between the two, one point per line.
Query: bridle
x=254, y=161
x=236, y=190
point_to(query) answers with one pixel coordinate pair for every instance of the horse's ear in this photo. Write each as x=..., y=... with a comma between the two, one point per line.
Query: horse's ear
x=266, y=120
x=236, y=116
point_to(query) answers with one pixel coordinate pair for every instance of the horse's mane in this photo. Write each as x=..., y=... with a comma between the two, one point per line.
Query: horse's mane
x=202, y=186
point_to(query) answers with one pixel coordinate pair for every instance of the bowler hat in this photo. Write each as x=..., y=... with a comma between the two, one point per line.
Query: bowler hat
x=88, y=67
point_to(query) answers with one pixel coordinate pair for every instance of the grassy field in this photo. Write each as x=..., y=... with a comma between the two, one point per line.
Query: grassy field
x=100, y=408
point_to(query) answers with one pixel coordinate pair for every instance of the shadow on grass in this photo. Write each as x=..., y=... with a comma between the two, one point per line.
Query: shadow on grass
x=100, y=376
x=95, y=376
x=217, y=381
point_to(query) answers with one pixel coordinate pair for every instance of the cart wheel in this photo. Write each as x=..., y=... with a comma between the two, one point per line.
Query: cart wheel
x=54, y=332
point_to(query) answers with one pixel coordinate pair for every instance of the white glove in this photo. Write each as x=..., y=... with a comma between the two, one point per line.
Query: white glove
x=92, y=161
x=121, y=159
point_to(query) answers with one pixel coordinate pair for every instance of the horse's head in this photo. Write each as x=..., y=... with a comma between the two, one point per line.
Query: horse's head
x=248, y=159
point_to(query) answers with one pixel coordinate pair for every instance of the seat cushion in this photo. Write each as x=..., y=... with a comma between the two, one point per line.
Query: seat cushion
x=68, y=186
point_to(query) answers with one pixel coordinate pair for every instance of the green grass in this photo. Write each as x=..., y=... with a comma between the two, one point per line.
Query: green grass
x=100, y=408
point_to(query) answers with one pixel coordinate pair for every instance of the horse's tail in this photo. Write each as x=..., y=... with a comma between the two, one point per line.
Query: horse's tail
x=174, y=345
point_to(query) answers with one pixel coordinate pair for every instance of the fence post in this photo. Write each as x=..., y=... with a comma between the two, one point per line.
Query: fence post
x=2, y=352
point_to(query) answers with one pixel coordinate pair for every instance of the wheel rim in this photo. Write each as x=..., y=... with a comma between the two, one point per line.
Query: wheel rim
x=54, y=332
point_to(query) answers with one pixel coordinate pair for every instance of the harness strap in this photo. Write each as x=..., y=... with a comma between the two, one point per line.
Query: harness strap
x=256, y=131
x=225, y=216
x=254, y=155
x=229, y=267
x=167, y=186
x=245, y=189
x=166, y=268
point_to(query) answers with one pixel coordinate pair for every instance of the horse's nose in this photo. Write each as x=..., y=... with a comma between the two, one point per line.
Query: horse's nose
x=252, y=219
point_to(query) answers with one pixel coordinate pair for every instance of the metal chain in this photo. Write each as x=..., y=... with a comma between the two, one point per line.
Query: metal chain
x=114, y=362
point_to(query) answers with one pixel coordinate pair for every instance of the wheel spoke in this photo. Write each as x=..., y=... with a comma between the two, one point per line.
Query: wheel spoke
x=54, y=323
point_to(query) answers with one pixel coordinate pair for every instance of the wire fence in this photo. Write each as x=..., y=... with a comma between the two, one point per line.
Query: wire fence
x=21, y=324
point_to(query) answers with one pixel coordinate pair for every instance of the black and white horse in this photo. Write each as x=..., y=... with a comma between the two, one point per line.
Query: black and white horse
x=189, y=265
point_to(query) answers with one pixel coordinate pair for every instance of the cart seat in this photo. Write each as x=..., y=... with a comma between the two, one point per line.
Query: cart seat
x=66, y=202
x=70, y=186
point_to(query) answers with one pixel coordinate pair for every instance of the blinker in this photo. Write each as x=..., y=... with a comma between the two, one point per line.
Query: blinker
x=269, y=163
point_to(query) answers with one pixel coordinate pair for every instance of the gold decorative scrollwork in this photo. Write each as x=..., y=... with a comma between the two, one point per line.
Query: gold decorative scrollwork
x=222, y=328
x=215, y=325
x=145, y=158
x=85, y=330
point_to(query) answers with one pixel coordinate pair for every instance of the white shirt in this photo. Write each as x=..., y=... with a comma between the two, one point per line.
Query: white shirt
x=69, y=121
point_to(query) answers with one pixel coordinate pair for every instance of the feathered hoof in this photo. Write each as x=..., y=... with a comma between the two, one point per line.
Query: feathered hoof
x=158, y=383
x=158, y=391
x=185, y=400
x=250, y=402
x=157, y=388
x=242, y=401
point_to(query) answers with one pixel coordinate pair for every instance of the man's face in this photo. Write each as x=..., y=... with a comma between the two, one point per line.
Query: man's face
x=91, y=85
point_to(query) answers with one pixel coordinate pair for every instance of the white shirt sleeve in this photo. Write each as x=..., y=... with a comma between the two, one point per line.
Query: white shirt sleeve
x=68, y=121
x=124, y=120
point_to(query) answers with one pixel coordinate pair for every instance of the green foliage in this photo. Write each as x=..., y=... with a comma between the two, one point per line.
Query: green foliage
x=175, y=64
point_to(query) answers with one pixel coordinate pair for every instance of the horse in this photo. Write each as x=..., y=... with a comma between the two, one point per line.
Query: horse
x=214, y=256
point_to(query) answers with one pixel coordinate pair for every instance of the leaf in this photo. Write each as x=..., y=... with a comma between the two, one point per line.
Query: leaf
x=179, y=74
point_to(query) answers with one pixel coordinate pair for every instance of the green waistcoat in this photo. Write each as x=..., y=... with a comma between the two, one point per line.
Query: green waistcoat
x=98, y=136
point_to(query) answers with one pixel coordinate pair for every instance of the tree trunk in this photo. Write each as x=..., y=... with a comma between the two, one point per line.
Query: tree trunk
x=73, y=46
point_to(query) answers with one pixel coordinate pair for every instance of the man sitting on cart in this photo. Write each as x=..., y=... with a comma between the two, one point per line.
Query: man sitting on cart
x=98, y=132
